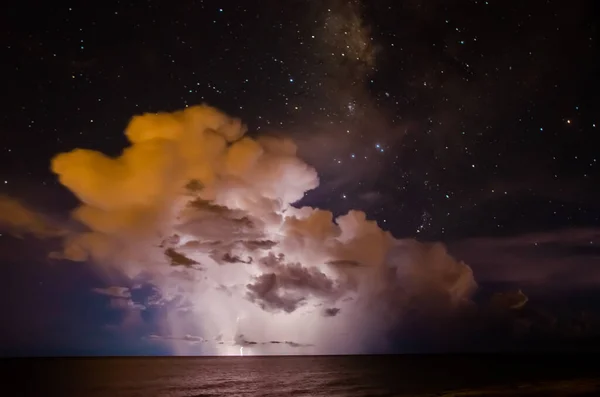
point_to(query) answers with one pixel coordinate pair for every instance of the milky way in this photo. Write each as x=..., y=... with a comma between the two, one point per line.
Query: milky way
x=441, y=120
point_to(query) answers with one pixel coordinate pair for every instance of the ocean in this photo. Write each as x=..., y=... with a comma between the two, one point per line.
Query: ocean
x=327, y=376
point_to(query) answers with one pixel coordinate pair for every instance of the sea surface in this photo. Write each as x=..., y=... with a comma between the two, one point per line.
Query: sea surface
x=328, y=376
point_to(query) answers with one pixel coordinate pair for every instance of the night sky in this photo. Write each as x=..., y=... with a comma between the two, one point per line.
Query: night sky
x=468, y=122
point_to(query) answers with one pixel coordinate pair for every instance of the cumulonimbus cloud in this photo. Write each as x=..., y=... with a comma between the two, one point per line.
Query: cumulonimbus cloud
x=206, y=214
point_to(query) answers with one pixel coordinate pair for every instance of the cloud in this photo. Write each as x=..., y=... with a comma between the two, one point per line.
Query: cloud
x=192, y=339
x=18, y=220
x=509, y=300
x=114, y=292
x=121, y=299
x=287, y=286
x=556, y=259
x=239, y=340
x=206, y=215
x=331, y=311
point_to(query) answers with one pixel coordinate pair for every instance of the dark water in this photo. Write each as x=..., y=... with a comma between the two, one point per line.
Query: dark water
x=305, y=376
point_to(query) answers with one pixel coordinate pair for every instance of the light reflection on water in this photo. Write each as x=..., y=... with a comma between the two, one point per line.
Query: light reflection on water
x=295, y=376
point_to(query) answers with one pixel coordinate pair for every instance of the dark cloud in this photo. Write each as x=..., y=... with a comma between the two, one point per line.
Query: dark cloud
x=289, y=285
x=146, y=294
x=343, y=263
x=537, y=291
x=259, y=244
x=178, y=259
x=217, y=222
x=265, y=291
x=509, y=300
x=114, y=292
x=229, y=258
x=240, y=340
x=191, y=339
x=331, y=311
x=557, y=259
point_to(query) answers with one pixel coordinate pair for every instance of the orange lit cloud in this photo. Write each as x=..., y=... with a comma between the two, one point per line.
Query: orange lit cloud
x=208, y=211
x=18, y=220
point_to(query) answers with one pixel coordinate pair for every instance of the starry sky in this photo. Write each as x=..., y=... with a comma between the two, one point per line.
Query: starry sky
x=468, y=122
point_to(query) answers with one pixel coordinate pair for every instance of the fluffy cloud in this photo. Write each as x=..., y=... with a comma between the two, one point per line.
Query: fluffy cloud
x=207, y=214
